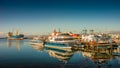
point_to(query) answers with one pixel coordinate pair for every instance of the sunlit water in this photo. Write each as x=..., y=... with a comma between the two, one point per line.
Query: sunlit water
x=20, y=54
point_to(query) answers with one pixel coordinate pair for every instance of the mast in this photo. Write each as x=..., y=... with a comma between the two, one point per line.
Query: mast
x=59, y=29
x=17, y=32
x=85, y=31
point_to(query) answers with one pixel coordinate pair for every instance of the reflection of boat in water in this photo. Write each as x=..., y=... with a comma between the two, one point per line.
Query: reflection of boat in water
x=17, y=43
x=98, y=57
x=38, y=47
x=101, y=56
x=37, y=44
x=87, y=54
x=60, y=40
x=11, y=36
x=102, y=60
x=63, y=55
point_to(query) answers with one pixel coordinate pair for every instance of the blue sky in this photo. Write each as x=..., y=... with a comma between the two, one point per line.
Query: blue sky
x=42, y=16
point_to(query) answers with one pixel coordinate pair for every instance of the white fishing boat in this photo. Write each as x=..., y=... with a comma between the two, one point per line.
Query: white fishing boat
x=60, y=40
x=36, y=41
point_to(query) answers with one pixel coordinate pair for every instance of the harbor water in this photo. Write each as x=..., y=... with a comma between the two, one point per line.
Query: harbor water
x=20, y=54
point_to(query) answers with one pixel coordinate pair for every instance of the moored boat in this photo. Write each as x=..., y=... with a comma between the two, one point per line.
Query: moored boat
x=36, y=41
x=60, y=40
x=16, y=36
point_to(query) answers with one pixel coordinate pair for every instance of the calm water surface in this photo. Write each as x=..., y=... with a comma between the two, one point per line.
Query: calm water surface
x=20, y=54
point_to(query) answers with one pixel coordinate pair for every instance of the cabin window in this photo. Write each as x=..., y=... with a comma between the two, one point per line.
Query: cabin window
x=61, y=39
x=64, y=35
x=68, y=38
x=58, y=39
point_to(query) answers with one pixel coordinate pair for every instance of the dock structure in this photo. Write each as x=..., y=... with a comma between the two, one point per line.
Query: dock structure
x=102, y=48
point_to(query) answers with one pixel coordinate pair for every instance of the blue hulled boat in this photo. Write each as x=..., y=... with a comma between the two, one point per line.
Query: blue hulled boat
x=61, y=41
x=17, y=36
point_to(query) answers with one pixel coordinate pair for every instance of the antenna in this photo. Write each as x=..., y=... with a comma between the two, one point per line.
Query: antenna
x=17, y=31
x=85, y=31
